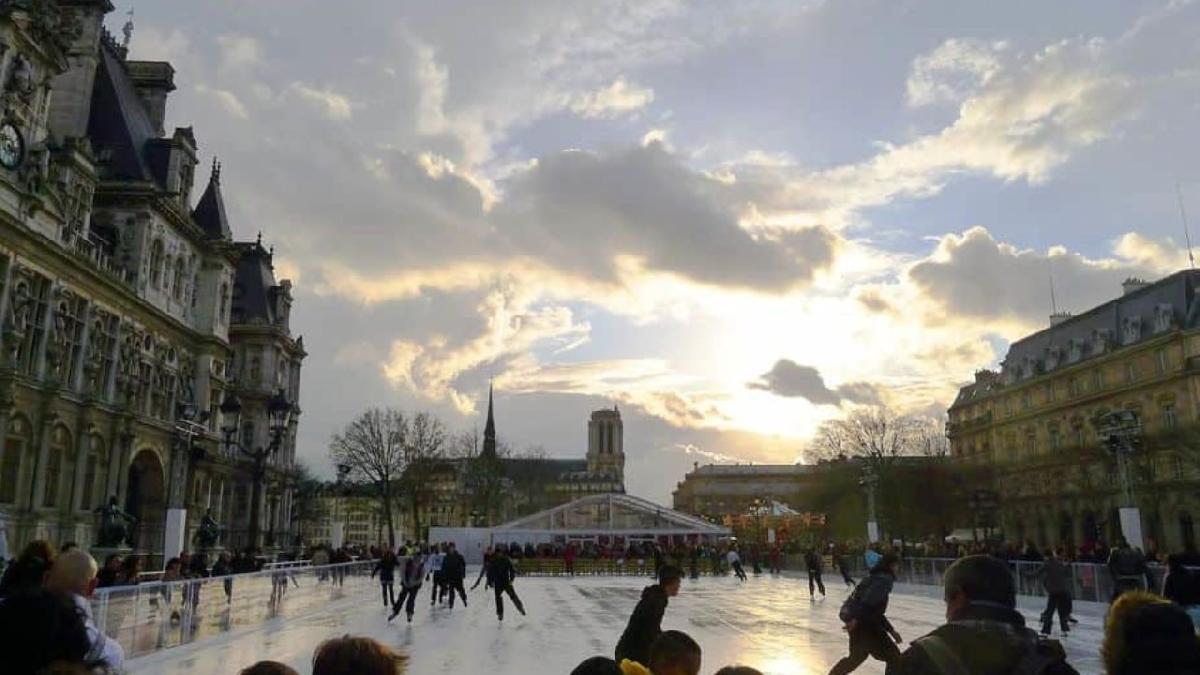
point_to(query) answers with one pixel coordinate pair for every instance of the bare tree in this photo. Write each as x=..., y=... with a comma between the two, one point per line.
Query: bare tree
x=424, y=452
x=878, y=435
x=485, y=477
x=374, y=447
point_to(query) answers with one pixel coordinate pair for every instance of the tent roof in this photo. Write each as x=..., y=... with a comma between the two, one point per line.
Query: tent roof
x=612, y=513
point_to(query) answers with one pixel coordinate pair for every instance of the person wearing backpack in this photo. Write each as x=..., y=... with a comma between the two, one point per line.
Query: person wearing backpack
x=984, y=633
x=863, y=613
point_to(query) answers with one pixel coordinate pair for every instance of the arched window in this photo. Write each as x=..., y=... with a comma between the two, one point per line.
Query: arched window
x=60, y=445
x=178, y=281
x=156, y=262
x=15, y=448
x=222, y=314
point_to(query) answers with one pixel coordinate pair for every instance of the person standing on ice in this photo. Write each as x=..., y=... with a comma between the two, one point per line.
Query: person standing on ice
x=410, y=585
x=815, y=565
x=645, y=624
x=735, y=562
x=454, y=572
x=435, y=570
x=500, y=575
x=386, y=567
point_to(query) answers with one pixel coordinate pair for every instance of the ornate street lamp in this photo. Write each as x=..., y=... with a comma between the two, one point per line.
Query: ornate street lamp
x=1121, y=432
x=279, y=412
x=870, y=481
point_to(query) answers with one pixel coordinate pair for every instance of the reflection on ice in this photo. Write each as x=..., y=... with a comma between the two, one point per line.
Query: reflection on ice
x=768, y=623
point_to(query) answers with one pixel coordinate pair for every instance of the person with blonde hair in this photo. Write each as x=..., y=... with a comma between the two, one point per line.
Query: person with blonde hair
x=354, y=655
x=74, y=574
x=1145, y=633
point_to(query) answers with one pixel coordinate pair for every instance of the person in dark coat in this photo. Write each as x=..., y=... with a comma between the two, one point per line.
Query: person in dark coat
x=984, y=634
x=864, y=613
x=223, y=567
x=410, y=585
x=1128, y=569
x=645, y=624
x=815, y=565
x=1056, y=580
x=386, y=568
x=500, y=575
x=454, y=573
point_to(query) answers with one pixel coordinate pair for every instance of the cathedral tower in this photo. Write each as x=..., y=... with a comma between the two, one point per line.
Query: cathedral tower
x=606, y=450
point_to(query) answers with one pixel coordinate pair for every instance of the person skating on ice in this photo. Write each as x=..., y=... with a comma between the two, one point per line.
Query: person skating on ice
x=410, y=583
x=815, y=565
x=386, y=567
x=434, y=573
x=735, y=563
x=500, y=575
x=871, y=634
x=645, y=624
x=454, y=573
x=487, y=561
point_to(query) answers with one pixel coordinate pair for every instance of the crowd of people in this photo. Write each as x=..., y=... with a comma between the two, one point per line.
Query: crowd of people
x=45, y=612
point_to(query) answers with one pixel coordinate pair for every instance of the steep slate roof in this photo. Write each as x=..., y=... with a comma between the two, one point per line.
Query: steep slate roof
x=118, y=124
x=254, y=281
x=209, y=213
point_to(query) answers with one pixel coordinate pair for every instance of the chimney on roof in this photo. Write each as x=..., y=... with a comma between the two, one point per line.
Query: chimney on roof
x=153, y=81
x=1059, y=317
x=1133, y=285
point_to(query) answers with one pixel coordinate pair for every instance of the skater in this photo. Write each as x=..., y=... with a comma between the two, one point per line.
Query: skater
x=735, y=563
x=410, y=585
x=815, y=565
x=871, y=634
x=454, y=573
x=645, y=624
x=843, y=565
x=776, y=554
x=1056, y=580
x=694, y=562
x=386, y=567
x=435, y=571
x=1128, y=569
x=985, y=633
x=500, y=574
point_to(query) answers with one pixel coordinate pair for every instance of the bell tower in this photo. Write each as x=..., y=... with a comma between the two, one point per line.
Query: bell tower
x=606, y=450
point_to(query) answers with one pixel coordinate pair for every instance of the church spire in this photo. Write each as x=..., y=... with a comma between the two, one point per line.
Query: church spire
x=489, y=430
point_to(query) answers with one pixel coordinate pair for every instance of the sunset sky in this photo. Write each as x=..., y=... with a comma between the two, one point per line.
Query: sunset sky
x=732, y=219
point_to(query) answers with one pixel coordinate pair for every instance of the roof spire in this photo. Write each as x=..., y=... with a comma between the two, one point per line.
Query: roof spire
x=489, y=430
x=215, y=176
x=127, y=30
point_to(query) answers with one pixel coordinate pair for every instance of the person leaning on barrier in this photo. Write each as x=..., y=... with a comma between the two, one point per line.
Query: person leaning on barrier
x=984, y=632
x=1128, y=568
x=74, y=574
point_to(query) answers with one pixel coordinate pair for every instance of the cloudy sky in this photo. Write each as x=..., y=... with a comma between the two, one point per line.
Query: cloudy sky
x=734, y=220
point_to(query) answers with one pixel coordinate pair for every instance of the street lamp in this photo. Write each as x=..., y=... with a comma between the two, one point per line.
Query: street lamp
x=279, y=414
x=869, y=481
x=1121, y=432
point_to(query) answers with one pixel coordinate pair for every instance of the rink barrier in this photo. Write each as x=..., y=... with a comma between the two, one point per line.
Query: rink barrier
x=152, y=616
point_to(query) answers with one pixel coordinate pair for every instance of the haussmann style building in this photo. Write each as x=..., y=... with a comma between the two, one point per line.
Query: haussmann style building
x=1030, y=430
x=127, y=315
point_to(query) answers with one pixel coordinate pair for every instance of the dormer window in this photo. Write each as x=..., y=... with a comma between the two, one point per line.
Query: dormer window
x=1075, y=352
x=1164, y=318
x=1131, y=330
x=1100, y=341
x=1053, y=356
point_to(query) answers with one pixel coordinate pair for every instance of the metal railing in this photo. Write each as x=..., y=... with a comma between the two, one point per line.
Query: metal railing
x=148, y=617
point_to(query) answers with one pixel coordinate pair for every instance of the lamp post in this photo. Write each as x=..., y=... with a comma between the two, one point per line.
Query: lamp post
x=279, y=413
x=337, y=535
x=1121, y=432
x=869, y=481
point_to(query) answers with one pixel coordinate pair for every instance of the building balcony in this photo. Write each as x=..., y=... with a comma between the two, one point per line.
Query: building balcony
x=91, y=250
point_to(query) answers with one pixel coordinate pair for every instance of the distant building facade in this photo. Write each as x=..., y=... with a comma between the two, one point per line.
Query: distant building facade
x=519, y=486
x=116, y=333
x=1029, y=428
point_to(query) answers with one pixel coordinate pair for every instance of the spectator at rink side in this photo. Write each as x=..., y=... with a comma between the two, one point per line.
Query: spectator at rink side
x=1146, y=634
x=74, y=574
x=40, y=628
x=352, y=655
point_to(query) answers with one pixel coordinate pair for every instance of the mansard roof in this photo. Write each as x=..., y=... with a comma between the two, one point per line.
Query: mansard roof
x=209, y=213
x=119, y=126
x=253, y=301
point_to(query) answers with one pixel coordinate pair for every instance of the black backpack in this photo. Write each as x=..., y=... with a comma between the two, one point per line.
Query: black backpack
x=849, y=610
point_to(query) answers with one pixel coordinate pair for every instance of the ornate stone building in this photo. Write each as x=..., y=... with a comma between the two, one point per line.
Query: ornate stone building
x=1029, y=432
x=116, y=296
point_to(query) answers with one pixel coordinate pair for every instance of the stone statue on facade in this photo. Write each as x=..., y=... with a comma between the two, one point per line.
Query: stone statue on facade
x=208, y=532
x=114, y=526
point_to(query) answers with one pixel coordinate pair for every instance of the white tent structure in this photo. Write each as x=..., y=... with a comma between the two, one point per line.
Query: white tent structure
x=605, y=519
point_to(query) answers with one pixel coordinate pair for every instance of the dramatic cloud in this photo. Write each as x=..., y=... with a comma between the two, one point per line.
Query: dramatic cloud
x=975, y=275
x=790, y=379
x=615, y=99
x=953, y=71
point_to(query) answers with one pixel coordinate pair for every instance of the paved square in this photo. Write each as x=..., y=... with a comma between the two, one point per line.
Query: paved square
x=768, y=623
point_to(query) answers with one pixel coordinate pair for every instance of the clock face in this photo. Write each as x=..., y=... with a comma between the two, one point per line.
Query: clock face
x=12, y=146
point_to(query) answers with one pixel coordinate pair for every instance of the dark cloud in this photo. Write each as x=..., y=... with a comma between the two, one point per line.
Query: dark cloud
x=790, y=379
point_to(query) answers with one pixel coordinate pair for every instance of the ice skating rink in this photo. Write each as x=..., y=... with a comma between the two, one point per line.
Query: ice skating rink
x=768, y=623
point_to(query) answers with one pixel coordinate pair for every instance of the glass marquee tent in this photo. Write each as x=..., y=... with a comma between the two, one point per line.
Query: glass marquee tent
x=609, y=519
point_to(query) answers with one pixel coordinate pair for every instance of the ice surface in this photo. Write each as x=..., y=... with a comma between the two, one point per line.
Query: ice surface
x=769, y=623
